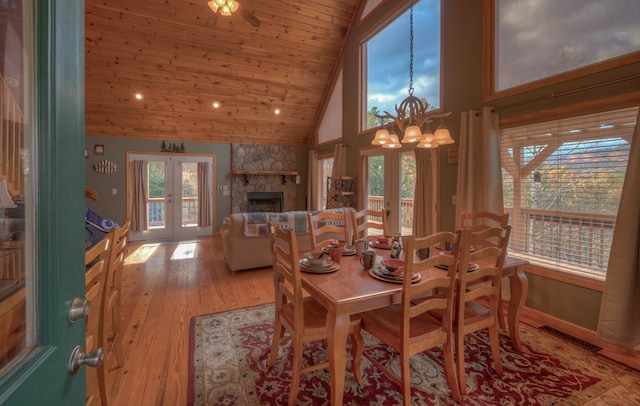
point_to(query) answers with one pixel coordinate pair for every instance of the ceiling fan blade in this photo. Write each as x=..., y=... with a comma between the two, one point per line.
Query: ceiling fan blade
x=250, y=16
x=213, y=19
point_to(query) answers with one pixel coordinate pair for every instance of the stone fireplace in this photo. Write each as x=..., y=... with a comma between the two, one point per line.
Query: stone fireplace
x=264, y=169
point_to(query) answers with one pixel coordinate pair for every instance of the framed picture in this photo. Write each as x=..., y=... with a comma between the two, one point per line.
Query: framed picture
x=98, y=149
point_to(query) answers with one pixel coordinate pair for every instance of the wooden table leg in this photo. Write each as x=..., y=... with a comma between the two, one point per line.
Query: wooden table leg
x=337, y=329
x=519, y=287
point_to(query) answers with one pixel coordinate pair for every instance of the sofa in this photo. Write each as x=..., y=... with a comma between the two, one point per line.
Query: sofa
x=245, y=236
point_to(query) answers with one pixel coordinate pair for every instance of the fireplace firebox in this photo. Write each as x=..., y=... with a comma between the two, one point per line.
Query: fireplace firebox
x=265, y=201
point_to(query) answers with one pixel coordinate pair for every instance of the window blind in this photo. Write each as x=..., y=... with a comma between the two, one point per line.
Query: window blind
x=562, y=182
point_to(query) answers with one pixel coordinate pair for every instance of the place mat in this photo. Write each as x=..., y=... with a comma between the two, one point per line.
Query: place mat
x=309, y=269
x=380, y=273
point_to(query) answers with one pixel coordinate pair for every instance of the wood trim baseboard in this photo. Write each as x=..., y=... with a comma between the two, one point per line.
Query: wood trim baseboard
x=622, y=355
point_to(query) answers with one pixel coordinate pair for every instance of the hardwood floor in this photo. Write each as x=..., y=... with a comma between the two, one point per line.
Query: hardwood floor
x=164, y=286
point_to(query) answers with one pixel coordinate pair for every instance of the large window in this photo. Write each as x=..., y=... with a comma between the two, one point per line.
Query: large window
x=562, y=185
x=534, y=40
x=386, y=54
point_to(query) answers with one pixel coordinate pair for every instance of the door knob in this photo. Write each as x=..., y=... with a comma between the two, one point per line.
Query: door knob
x=80, y=358
x=79, y=309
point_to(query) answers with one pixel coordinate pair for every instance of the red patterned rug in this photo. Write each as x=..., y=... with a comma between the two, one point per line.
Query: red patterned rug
x=229, y=352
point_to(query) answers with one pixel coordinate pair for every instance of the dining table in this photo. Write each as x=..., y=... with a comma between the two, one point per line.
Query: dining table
x=351, y=290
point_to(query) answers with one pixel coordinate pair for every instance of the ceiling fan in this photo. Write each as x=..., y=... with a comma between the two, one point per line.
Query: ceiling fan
x=227, y=8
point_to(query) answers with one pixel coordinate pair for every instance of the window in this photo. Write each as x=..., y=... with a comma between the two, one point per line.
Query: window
x=558, y=37
x=325, y=170
x=386, y=54
x=562, y=182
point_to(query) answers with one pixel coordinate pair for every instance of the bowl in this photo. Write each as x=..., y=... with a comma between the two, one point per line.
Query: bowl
x=393, y=265
x=315, y=258
x=382, y=240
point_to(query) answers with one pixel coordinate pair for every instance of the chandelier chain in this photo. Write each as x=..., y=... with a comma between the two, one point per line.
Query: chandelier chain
x=411, y=50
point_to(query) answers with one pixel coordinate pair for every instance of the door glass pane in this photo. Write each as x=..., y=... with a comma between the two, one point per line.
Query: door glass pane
x=407, y=191
x=375, y=185
x=189, y=206
x=17, y=310
x=156, y=202
x=325, y=170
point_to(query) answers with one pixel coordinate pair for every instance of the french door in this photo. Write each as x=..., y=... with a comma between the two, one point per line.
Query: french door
x=390, y=183
x=178, y=191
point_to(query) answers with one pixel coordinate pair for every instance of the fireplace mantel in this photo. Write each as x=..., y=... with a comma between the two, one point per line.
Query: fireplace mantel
x=246, y=174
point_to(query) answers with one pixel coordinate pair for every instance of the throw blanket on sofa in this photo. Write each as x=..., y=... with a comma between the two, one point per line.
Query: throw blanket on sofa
x=255, y=224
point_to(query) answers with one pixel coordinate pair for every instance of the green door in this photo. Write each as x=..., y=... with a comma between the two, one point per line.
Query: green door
x=42, y=45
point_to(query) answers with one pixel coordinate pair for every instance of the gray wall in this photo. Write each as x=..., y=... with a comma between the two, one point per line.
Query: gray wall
x=113, y=206
x=115, y=148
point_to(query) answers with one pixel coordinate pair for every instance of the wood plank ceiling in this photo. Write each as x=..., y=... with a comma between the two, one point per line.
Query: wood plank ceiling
x=182, y=60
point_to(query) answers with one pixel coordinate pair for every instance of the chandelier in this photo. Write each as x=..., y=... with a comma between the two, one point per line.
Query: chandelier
x=412, y=116
x=224, y=7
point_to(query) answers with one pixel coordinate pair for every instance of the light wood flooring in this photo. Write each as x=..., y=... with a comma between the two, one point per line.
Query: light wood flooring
x=160, y=296
x=164, y=286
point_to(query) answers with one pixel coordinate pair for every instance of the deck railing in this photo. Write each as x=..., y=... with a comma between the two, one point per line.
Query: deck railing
x=156, y=212
x=406, y=206
x=580, y=240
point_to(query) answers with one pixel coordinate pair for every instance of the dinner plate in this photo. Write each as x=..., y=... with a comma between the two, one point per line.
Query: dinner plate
x=332, y=268
x=381, y=274
x=326, y=264
x=472, y=267
x=346, y=251
x=374, y=244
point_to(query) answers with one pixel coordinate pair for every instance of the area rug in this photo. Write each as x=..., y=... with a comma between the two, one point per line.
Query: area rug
x=229, y=352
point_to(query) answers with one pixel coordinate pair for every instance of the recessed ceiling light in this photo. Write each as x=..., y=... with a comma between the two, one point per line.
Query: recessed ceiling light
x=276, y=111
x=216, y=104
x=139, y=96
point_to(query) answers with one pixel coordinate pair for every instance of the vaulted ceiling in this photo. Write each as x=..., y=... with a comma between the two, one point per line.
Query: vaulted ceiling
x=182, y=59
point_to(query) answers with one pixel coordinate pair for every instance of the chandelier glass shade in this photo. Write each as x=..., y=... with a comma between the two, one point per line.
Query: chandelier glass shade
x=412, y=116
x=224, y=7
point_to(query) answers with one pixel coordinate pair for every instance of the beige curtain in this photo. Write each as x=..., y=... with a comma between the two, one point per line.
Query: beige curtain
x=479, y=185
x=423, y=216
x=619, y=321
x=363, y=185
x=312, y=181
x=139, y=196
x=340, y=160
x=204, y=199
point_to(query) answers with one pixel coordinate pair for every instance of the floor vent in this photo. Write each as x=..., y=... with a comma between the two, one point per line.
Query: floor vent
x=569, y=337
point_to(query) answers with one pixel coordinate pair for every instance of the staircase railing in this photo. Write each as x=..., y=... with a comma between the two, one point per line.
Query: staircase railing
x=11, y=140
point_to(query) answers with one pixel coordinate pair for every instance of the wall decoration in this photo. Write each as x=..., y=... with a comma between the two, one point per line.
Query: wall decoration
x=98, y=149
x=173, y=147
x=105, y=166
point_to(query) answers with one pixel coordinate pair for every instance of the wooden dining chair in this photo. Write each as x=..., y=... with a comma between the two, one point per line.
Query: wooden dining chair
x=95, y=280
x=300, y=315
x=408, y=327
x=326, y=226
x=119, y=236
x=367, y=224
x=480, y=220
x=478, y=292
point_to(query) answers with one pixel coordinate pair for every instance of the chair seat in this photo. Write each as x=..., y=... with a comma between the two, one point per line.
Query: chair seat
x=385, y=321
x=315, y=317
